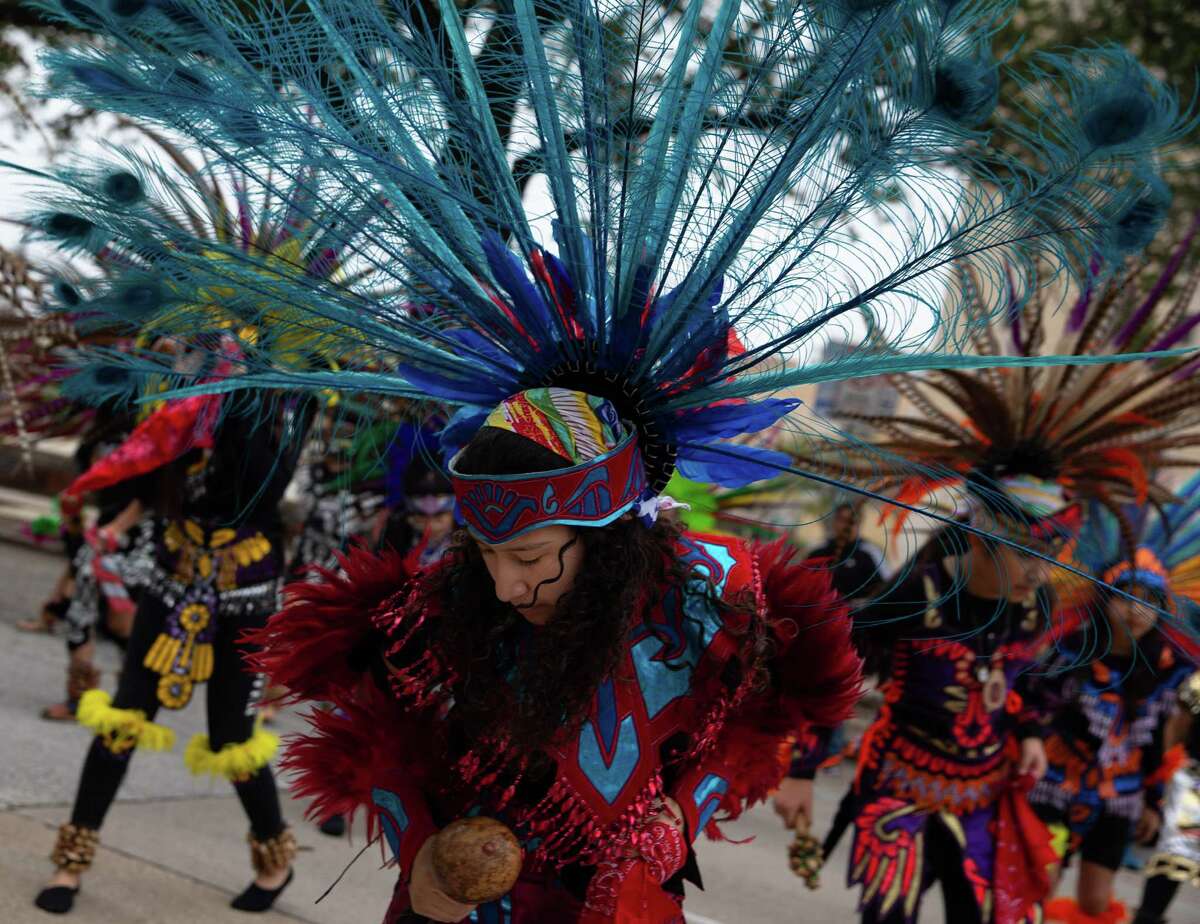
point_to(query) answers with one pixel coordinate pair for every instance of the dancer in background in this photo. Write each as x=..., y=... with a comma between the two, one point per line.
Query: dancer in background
x=1107, y=693
x=1176, y=861
x=221, y=474
x=958, y=632
x=111, y=562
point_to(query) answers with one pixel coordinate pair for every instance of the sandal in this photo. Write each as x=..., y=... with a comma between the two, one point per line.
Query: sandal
x=52, y=612
x=59, y=712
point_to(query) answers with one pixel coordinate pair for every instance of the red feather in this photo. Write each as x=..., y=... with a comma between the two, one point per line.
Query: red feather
x=364, y=744
x=818, y=669
x=306, y=647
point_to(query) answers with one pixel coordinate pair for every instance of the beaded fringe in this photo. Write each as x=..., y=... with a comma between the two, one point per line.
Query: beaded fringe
x=75, y=848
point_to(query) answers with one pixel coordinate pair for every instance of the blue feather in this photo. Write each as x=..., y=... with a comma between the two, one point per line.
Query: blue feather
x=1119, y=118
x=723, y=421
x=68, y=227
x=966, y=89
x=123, y=187
x=463, y=425
x=66, y=294
x=732, y=467
x=127, y=8
x=525, y=300
x=1137, y=218
x=705, y=327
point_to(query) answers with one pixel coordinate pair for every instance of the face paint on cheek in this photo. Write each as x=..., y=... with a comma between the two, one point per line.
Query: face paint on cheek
x=547, y=586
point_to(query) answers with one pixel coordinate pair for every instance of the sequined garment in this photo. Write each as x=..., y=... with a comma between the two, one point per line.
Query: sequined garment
x=1103, y=740
x=104, y=577
x=956, y=700
x=675, y=720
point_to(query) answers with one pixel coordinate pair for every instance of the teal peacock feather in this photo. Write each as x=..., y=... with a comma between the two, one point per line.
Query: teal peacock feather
x=598, y=195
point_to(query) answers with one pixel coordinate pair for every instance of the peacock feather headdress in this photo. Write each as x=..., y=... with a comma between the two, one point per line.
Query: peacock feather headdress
x=595, y=196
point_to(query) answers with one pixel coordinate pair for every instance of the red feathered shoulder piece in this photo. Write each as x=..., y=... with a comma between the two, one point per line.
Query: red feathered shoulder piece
x=817, y=670
x=815, y=678
x=309, y=646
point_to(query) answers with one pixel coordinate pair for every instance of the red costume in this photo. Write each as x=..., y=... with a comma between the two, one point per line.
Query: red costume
x=678, y=719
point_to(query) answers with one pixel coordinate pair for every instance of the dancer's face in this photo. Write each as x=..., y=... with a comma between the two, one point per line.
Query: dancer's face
x=999, y=572
x=1134, y=619
x=845, y=525
x=533, y=571
x=436, y=525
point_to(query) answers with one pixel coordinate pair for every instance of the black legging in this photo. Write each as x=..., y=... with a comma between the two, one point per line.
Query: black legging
x=1156, y=898
x=942, y=862
x=230, y=719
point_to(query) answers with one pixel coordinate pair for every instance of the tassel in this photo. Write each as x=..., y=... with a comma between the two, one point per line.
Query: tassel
x=202, y=663
x=162, y=653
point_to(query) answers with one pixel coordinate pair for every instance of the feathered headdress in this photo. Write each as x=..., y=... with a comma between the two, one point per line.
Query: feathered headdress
x=1098, y=433
x=1154, y=546
x=594, y=197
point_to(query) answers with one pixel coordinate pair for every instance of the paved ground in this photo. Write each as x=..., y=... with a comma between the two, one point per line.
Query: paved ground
x=173, y=847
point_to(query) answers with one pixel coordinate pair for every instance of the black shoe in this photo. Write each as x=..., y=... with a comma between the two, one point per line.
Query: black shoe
x=56, y=899
x=334, y=825
x=258, y=899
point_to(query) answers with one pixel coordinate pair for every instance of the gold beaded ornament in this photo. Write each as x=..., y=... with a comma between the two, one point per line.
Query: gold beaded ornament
x=805, y=855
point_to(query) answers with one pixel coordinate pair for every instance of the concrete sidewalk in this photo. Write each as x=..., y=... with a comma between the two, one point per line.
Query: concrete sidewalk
x=173, y=847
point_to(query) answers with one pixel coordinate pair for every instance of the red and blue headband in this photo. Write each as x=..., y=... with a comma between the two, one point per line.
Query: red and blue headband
x=607, y=477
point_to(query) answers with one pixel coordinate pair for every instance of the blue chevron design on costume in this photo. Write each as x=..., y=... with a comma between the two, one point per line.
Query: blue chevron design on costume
x=707, y=797
x=609, y=777
x=393, y=818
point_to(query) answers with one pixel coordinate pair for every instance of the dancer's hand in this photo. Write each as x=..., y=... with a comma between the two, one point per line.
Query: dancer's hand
x=425, y=890
x=1033, y=758
x=794, y=800
x=1147, y=826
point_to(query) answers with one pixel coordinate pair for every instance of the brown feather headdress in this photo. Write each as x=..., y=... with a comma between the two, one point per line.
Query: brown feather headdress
x=1102, y=432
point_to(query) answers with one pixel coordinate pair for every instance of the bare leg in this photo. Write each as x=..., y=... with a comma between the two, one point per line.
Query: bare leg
x=1094, y=890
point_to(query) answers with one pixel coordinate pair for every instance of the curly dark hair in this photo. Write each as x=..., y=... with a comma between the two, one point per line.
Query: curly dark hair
x=529, y=684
